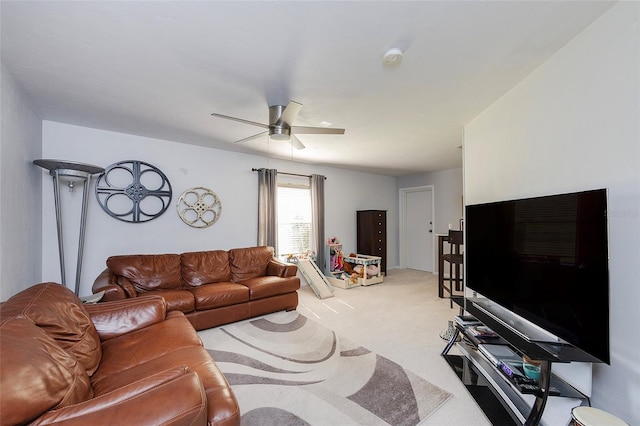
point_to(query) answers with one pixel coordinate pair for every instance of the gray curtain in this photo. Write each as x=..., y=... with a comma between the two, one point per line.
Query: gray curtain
x=267, y=207
x=317, y=218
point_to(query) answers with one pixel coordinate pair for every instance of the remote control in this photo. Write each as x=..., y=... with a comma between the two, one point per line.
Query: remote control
x=520, y=380
x=528, y=388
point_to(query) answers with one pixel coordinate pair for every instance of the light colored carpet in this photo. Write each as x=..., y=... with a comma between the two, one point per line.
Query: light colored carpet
x=399, y=319
x=286, y=369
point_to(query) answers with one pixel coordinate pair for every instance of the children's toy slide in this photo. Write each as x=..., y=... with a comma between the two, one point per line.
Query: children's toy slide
x=315, y=278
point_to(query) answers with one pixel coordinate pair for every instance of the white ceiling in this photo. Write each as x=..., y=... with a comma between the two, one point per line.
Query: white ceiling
x=159, y=69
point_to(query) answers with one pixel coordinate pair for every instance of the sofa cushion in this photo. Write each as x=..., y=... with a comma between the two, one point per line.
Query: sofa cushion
x=204, y=267
x=37, y=374
x=118, y=317
x=249, y=262
x=187, y=356
x=61, y=314
x=148, y=272
x=168, y=397
x=261, y=287
x=222, y=406
x=177, y=300
x=217, y=295
x=129, y=350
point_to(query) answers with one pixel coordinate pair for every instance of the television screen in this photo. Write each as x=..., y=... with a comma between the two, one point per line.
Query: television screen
x=545, y=259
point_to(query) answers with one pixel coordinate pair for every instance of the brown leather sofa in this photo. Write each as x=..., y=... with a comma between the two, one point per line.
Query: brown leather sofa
x=125, y=362
x=210, y=287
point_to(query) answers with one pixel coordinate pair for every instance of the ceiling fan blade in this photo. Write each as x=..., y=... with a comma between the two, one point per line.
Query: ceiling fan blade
x=256, y=136
x=316, y=130
x=295, y=142
x=241, y=120
x=290, y=113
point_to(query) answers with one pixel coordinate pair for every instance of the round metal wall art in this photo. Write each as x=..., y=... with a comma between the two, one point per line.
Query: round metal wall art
x=199, y=207
x=133, y=191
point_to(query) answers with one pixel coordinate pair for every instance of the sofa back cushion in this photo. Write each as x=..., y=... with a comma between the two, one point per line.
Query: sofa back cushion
x=204, y=267
x=62, y=315
x=148, y=272
x=37, y=374
x=249, y=262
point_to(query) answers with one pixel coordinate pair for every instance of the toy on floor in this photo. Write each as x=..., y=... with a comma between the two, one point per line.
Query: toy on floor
x=357, y=271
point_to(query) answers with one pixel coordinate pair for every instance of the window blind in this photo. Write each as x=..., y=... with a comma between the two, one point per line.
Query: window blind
x=294, y=220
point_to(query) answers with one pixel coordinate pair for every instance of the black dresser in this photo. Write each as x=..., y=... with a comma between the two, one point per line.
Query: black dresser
x=372, y=234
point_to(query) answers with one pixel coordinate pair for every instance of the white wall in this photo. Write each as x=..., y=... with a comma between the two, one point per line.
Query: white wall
x=20, y=186
x=228, y=174
x=574, y=125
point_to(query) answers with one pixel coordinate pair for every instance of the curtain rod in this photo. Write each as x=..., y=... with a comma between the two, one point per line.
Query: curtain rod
x=289, y=174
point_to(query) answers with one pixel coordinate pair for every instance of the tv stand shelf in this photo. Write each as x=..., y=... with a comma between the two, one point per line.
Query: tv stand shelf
x=534, y=348
x=525, y=409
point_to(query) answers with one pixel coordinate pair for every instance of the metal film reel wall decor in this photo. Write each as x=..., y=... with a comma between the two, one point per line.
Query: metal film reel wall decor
x=199, y=207
x=133, y=191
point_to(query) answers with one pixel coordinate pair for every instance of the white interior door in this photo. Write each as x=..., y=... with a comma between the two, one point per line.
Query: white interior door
x=419, y=229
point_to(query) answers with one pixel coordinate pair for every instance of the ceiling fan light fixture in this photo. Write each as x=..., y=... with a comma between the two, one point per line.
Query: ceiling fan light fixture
x=281, y=126
x=392, y=56
x=280, y=133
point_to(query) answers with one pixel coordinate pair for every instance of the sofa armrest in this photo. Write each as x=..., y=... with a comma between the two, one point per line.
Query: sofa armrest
x=107, y=282
x=172, y=397
x=118, y=317
x=280, y=269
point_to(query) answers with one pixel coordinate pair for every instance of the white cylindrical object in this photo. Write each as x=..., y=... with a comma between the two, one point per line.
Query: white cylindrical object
x=589, y=416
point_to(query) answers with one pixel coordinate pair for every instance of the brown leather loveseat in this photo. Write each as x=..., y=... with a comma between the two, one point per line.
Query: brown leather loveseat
x=210, y=287
x=126, y=362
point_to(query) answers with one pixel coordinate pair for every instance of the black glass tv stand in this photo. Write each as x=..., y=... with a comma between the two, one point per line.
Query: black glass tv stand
x=501, y=377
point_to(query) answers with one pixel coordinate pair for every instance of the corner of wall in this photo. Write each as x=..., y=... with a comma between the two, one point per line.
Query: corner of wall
x=20, y=190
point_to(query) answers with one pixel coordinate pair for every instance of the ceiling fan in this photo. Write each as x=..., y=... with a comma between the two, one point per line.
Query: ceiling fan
x=280, y=125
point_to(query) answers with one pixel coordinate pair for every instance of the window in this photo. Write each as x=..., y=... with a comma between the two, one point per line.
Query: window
x=294, y=216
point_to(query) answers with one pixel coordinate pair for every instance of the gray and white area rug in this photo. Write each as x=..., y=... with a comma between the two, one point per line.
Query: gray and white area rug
x=286, y=369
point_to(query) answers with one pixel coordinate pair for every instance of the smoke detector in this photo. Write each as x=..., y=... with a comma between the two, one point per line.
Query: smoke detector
x=392, y=56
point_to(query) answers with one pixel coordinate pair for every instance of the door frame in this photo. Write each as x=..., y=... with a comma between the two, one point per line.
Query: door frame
x=402, y=196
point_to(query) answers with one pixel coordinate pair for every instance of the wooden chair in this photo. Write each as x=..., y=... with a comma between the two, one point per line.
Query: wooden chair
x=455, y=258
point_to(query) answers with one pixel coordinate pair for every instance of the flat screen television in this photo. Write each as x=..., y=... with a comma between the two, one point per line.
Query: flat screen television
x=546, y=260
